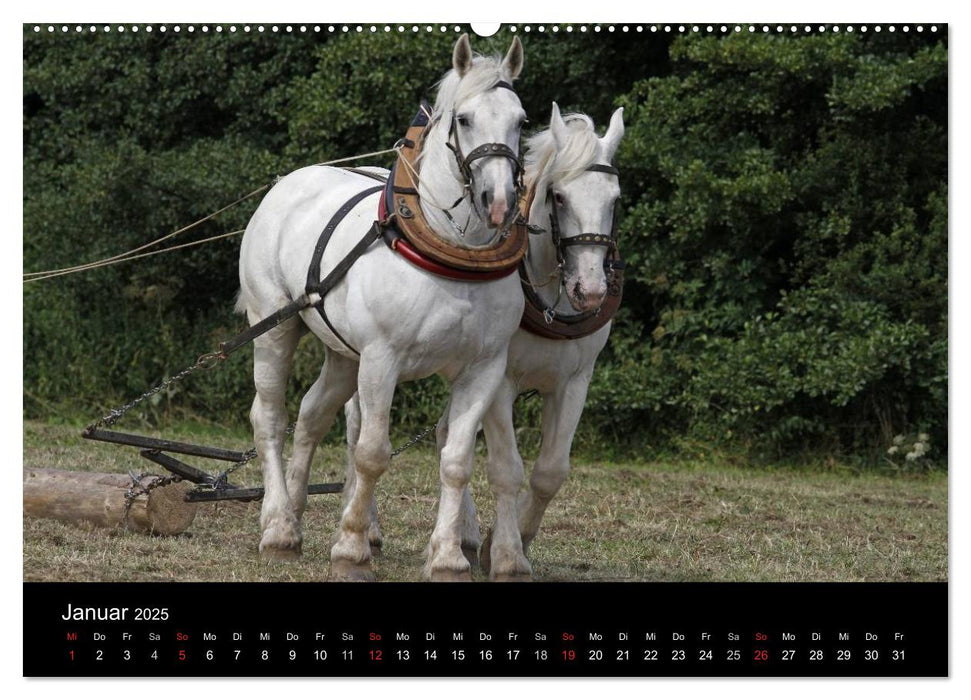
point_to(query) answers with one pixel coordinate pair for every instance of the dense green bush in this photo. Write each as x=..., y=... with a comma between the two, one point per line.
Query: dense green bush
x=785, y=219
x=787, y=231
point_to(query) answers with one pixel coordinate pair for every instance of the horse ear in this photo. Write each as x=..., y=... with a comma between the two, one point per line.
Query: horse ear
x=512, y=65
x=615, y=132
x=462, y=55
x=558, y=127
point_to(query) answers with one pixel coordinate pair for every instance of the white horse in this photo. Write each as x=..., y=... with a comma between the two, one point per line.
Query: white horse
x=570, y=164
x=389, y=321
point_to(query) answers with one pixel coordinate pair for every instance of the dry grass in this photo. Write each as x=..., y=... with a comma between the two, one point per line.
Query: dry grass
x=632, y=521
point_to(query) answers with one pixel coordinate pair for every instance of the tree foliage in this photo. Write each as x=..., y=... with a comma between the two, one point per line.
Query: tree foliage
x=784, y=217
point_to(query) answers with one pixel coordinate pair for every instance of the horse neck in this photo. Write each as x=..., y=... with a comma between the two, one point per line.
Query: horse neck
x=542, y=267
x=440, y=186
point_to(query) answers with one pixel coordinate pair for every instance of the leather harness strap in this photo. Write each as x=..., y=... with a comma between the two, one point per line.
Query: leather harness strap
x=313, y=274
x=317, y=286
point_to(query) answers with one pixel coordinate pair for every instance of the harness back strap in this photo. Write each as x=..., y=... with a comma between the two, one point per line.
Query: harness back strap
x=313, y=274
x=317, y=286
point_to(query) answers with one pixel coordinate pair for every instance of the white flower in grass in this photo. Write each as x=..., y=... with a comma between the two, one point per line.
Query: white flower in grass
x=911, y=456
x=898, y=440
x=893, y=450
x=924, y=437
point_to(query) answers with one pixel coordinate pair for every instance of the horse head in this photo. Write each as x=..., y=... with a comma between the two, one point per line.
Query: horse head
x=570, y=167
x=480, y=116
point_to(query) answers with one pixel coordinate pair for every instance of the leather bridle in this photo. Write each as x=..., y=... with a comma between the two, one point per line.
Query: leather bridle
x=486, y=150
x=596, y=239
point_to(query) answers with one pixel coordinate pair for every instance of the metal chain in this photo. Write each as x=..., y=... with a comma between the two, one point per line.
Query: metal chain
x=207, y=361
x=248, y=457
x=137, y=489
x=414, y=441
x=526, y=395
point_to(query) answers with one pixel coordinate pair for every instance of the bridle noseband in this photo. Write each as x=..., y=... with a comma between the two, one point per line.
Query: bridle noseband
x=597, y=239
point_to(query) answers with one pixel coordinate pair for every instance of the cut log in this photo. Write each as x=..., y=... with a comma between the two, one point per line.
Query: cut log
x=74, y=497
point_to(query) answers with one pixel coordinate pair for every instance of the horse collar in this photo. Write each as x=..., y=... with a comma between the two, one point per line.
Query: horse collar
x=409, y=234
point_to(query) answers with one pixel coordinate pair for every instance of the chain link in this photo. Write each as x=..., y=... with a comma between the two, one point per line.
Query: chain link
x=414, y=441
x=138, y=489
x=207, y=361
x=248, y=456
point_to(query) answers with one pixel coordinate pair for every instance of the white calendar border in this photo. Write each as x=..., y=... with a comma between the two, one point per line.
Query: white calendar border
x=534, y=12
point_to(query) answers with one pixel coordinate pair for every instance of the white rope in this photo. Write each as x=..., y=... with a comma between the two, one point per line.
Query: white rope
x=131, y=254
x=30, y=276
x=107, y=263
x=360, y=157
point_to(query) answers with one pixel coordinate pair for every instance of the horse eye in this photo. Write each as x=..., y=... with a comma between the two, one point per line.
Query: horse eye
x=462, y=120
x=559, y=199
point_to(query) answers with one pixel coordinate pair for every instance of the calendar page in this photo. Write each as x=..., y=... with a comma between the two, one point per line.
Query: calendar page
x=639, y=331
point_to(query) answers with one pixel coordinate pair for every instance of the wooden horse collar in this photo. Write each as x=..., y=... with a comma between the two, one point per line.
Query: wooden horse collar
x=403, y=204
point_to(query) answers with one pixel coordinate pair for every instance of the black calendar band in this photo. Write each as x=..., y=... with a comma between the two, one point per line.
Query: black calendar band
x=538, y=629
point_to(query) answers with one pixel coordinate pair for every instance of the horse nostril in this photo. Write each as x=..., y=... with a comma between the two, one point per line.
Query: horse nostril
x=486, y=199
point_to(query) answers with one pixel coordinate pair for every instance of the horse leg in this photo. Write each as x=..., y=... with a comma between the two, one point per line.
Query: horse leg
x=502, y=550
x=350, y=556
x=472, y=392
x=336, y=383
x=471, y=537
x=561, y=415
x=272, y=359
x=352, y=414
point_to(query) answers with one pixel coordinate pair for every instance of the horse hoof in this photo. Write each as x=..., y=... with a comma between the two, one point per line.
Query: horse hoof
x=471, y=553
x=512, y=578
x=449, y=576
x=280, y=544
x=342, y=570
x=277, y=554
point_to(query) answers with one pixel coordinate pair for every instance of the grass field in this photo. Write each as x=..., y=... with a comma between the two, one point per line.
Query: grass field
x=644, y=521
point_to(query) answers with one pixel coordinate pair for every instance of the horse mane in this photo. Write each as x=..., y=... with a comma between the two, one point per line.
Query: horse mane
x=546, y=164
x=453, y=90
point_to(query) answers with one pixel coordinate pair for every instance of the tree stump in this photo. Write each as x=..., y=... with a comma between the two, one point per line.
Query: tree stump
x=74, y=497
